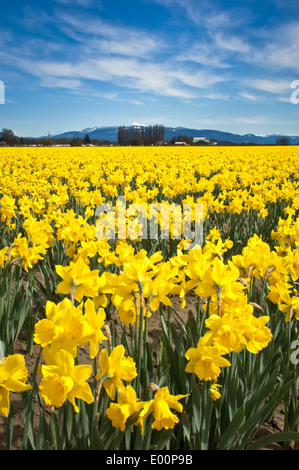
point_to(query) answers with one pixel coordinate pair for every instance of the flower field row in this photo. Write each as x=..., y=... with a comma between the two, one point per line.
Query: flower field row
x=218, y=371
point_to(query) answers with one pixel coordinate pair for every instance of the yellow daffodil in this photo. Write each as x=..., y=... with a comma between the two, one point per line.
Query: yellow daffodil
x=63, y=327
x=161, y=406
x=63, y=380
x=206, y=361
x=127, y=406
x=3, y=256
x=257, y=334
x=8, y=210
x=226, y=331
x=158, y=290
x=93, y=321
x=13, y=376
x=213, y=235
x=219, y=278
x=114, y=369
x=289, y=304
x=29, y=255
x=79, y=278
x=214, y=392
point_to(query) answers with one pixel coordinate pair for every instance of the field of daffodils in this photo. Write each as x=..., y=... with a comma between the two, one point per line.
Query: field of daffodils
x=84, y=284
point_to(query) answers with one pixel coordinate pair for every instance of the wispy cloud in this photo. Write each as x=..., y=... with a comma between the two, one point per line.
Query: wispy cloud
x=250, y=97
x=201, y=13
x=123, y=72
x=98, y=36
x=231, y=44
x=272, y=86
x=104, y=52
x=83, y=3
x=221, y=55
x=136, y=58
x=281, y=49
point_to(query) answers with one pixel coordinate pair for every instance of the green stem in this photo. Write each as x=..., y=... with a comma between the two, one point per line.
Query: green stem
x=141, y=317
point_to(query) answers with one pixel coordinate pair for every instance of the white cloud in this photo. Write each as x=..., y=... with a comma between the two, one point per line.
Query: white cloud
x=204, y=55
x=247, y=120
x=272, y=48
x=201, y=13
x=279, y=48
x=143, y=76
x=83, y=3
x=216, y=96
x=231, y=43
x=196, y=79
x=250, y=96
x=97, y=36
x=136, y=102
x=190, y=67
x=56, y=82
x=117, y=55
x=269, y=85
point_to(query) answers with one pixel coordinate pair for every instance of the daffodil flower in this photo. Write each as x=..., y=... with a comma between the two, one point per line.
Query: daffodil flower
x=114, y=369
x=93, y=322
x=62, y=328
x=13, y=375
x=127, y=406
x=161, y=406
x=214, y=392
x=3, y=256
x=29, y=255
x=62, y=380
x=226, y=331
x=257, y=334
x=206, y=361
x=79, y=278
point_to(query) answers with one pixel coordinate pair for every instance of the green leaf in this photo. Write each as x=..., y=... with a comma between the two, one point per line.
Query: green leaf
x=273, y=438
x=206, y=424
x=253, y=423
x=192, y=329
x=230, y=435
x=186, y=426
x=147, y=434
x=173, y=359
x=164, y=437
x=196, y=398
x=55, y=429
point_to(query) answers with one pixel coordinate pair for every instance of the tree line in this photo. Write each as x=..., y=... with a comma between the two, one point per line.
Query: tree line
x=127, y=135
x=140, y=135
x=8, y=137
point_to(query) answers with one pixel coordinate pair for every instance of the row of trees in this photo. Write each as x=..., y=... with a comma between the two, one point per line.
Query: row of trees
x=7, y=137
x=141, y=135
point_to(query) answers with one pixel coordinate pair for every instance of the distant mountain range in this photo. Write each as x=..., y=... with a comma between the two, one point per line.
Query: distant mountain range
x=110, y=133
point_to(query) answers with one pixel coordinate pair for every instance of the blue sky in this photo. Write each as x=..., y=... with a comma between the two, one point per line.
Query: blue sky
x=73, y=64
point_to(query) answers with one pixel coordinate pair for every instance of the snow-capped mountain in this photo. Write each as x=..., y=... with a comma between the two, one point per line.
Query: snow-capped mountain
x=110, y=133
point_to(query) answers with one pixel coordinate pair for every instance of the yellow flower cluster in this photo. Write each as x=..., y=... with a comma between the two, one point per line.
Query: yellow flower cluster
x=224, y=180
x=150, y=281
x=64, y=329
x=160, y=406
x=48, y=202
x=113, y=370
